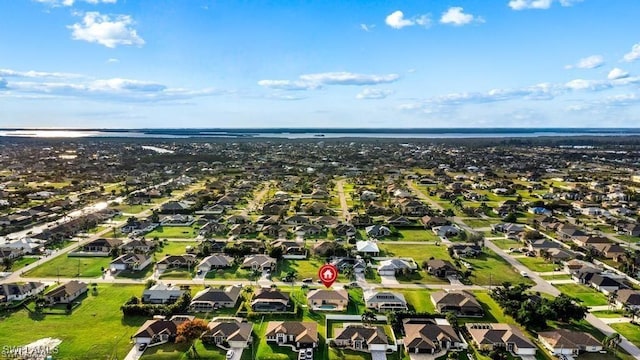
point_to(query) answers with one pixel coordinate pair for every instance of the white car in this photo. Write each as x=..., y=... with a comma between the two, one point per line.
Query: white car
x=524, y=274
x=229, y=354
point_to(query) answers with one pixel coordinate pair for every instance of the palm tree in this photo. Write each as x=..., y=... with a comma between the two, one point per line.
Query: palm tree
x=369, y=317
x=613, y=296
x=612, y=341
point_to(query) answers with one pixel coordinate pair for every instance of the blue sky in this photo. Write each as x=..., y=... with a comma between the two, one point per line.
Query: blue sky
x=325, y=63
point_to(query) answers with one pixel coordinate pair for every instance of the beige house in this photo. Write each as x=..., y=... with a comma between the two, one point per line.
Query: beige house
x=328, y=300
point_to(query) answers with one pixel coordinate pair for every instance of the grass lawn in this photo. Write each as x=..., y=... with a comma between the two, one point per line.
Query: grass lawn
x=479, y=223
x=340, y=354
x=142, y=274
x=420, y=277
x=506, y=244
x=493, y=311
x=175, y=247
x=173, y=232
x=418, y=300
x=303, y=268
x=418, y=253
x=234, y=272
x=630, y=331
x=490, y=269
x=68, y=267
x=608, y=314
x=165, y=351
x=557, y=277
x=178, y=274
x=103, y=310
x=20, y=263
x=356, y=304
x=132, y=209
x=537, y=264
x=416, y=235
x=588, y=295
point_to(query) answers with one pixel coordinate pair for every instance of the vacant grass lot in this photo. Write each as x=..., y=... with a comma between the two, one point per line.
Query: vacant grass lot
x=490, y=269
x=175, y=248
x=173, y=232
x=416, y=235
x=537, y=264
x=630, y=331
x=418, y=300
x=480, y=223
x=68, y=267
x=419, y=253
x=78, y=332
x=506, y=244
x=587, y=295
x=232, y=273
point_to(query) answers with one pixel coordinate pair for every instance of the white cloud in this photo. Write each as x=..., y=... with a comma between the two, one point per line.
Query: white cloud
x=347, y=78
x=288, y=85
x=530, y=4
x=36, y=84
x=105, y=30
x=582, y=84
x=617, y=73
x=634, y=54
x=318, y=80
x=366, y=27
x=397, y=20
x=456, y=16
x=539, y=4
x=370, y=93
x=622, y=100
x=113, y=61
x=37, y=74
x=589, y=62
x=72, y=2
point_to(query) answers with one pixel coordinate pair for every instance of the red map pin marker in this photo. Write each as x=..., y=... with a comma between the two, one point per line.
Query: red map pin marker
x=328, y=274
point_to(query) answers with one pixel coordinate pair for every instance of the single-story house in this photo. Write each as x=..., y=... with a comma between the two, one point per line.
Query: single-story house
x=20, y=291
x=259, y=262
x=628, y=298
x=441, y=268
x=367, y=247
x=66, y=293
x=328, y=300
x=384, y=300
x=177, y=261
x=232, y=331
x=461, y=302
x=392, y=267
x=429, y=336
x=215, y=262
x=270, y=300
x=158, y=331
x=299, y=334
x=567, y=342
x=489, y=336
x=161, y=294
x=211, y=299
x=130, y=261
x=377, y=231
x=361, y=338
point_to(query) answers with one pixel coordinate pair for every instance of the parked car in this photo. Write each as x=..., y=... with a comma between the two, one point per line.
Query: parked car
x=307, y=280
x=142, y=346
x=229, y=354
x=524, y=274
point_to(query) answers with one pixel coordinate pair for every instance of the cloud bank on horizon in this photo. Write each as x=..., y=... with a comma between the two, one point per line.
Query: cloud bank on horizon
x=511, y=63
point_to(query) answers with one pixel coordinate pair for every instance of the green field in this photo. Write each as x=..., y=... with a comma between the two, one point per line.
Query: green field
x=232, y=273
x=174, y=248
x=75, y=330
x=303, y=268
x=418, y=300
x=479, y=223
x=537, y=264
x=64, y=266
x=173, y=232
x=418, y=253
x=493, y=312
x=490, y=269
x=20, y=263
x=506, y=244
x=608, y=314
x=416, y=235
x=629, y=331
x=586, y=294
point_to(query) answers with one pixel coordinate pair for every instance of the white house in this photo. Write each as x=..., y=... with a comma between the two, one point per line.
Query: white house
x=384, y=300
x=161, y=294
x=130, y=261
x=367, y=247
x=567, y=342
x=19, y=292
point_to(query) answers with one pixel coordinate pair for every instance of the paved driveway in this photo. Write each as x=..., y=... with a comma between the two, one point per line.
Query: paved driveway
x=378, y=355
x=388, y=280
x=134, y=354
x=237, y=353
